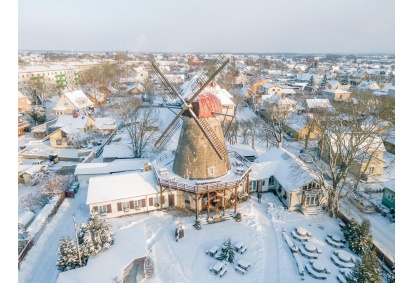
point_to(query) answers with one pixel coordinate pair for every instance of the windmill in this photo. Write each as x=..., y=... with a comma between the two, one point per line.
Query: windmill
x=201, y=152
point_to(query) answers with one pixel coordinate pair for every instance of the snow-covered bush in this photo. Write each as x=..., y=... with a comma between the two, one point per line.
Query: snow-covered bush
x=68, y=255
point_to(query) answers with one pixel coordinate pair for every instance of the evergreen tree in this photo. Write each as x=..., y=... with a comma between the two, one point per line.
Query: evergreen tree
x=311, y=85
x=227, y=253
x=367, y=270
x=358, y=236
x=324, y=82
x=68, y=256
x=351, y=230
x=345, y=80
x=391, y=275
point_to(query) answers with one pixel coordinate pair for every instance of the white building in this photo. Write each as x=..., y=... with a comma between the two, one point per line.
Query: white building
x=124, y=194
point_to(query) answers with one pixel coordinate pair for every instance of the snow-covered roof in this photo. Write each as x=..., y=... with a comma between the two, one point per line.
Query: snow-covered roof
x=121, y=186
x=130, y=244
x=25, y=217
x=289, y=171
x=31, y=169
x=318, y=103
x=268, y=85
x=390, y=184
x=296, y=121
x=115, y=166
x=74, y=132
x=118, y=150
x=79, y=99
x=69, y=120
x=105, y=123
x=337, y=90
x=263, y=170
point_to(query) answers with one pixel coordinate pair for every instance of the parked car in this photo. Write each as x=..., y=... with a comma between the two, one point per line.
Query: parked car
x=74, y=186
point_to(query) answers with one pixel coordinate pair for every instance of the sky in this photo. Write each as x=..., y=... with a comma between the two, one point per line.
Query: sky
x=246, y=26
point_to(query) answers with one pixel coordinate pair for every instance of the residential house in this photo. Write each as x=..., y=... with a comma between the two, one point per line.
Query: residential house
x=72, y=102
x=22, y=126
x=332, y=84
x=388, y=197
x=105, y=125
x=299, y=125
x=24, y=104
x=368, y=159
x=124, y=194
x=290, y=178
x=337, y=94
x=369, y=85
x=388, y=138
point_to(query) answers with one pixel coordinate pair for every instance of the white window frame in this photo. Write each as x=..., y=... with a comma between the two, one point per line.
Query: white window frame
x=125, y=206
x=102, y=209
x=137, y=204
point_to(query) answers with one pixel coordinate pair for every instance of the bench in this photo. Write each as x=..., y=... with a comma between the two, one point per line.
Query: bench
x=211, y=266
x=333, y=243
x=243, y=250
x=339, y=263
x=315, y=274
x=243, y=271
x=292, y=247
x=299, y=264
x=223, y=271
x=308, y=254
x=341, y=278
x=298, y=237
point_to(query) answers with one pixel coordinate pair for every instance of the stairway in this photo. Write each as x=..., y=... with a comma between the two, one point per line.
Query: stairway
x=311, y=210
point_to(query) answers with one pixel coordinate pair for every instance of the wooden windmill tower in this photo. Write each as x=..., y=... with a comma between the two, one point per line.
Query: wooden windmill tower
x=201, y=152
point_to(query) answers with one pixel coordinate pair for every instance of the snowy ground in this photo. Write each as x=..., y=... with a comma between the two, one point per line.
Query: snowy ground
x=186, y=261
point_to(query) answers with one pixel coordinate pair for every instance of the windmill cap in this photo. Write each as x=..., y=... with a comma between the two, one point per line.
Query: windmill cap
x=206, y=104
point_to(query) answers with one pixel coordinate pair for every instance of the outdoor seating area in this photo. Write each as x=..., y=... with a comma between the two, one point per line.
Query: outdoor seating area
x=312, y=271
x=219, y=268
x=242, y=266
x=309, y=250
x=335, y=241
x=240, y=247
x=301, y=234
x=343, y=259
x=212, y=251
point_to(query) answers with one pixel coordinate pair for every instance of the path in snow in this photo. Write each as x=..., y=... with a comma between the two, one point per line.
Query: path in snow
x=39, y=264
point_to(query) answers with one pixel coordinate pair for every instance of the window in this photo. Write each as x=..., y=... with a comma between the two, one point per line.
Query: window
x=253, y=186
x=271, y=181
x=64, y=135
x=59, y=142
x=102, y=209
x=137, y=204
x=210, y=171
x=125, y=206
x=371, y=170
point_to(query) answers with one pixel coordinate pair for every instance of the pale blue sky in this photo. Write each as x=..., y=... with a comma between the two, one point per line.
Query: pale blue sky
x=305, y=26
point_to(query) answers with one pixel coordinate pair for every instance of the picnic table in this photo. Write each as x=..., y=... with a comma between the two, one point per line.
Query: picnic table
x=242, y=266
x=340, y=263
x=295, y=235
x=240, y=247
x=315, y=274
x=334, y=243
x=216, y=268
x=212, y=251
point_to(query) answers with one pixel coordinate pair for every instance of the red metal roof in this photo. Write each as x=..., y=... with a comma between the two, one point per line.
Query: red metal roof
x=207, y=103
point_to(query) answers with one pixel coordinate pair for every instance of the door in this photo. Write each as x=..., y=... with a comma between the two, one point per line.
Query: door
x=171, y=200
x=259, y=186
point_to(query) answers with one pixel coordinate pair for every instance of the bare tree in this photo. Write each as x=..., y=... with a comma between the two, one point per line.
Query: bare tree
x=100, y=76
x=347, y=139
x=255, y=125
x=244, y=128
x=141, y=123
x=275, y=113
